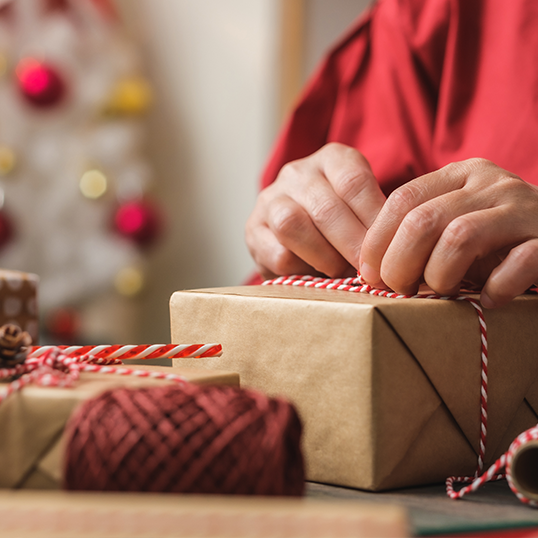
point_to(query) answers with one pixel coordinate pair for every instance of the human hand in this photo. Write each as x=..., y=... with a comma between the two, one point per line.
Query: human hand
x=313, y=218
x=470, y=221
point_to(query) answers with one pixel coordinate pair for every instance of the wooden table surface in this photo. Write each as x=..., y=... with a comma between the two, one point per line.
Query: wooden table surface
x=431, y=512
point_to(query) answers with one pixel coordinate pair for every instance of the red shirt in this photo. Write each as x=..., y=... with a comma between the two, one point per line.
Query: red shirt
x=417, y=84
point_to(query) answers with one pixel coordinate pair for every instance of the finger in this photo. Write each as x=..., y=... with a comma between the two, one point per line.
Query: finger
x=517, y=273
x=467, y=240
x=398, y=205
x=352, y=179
x=328, y=213
x=443, y=224
x=294, y=230
x=273, y=259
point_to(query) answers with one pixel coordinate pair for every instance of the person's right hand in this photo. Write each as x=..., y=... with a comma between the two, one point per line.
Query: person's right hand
x=313, y=218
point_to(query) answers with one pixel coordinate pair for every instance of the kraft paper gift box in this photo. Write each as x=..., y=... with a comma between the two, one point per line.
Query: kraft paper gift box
x=388, y=389
x=32, y=421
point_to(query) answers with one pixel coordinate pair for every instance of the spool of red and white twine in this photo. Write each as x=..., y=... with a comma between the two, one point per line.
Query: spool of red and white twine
x=519, y=462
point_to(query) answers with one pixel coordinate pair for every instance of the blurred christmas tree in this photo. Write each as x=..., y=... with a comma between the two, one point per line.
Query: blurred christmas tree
x=73, y=182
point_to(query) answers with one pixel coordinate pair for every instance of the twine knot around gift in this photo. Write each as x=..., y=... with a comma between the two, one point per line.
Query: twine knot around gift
x=527, y=493
x=60, y=366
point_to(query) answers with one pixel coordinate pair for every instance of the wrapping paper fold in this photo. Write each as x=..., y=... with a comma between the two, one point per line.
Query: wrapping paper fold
x=32, y=422
x=388, y=389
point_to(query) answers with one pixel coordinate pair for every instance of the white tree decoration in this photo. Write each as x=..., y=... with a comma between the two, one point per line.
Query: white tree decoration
x=61, y=233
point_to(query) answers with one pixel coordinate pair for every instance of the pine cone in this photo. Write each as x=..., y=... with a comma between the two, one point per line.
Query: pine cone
x=14, y=344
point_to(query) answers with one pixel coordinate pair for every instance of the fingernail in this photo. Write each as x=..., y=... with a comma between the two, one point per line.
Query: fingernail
x=486, y=301
x=370, y=275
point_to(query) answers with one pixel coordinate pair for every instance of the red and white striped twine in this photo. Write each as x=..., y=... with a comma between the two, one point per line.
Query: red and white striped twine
x=495, y=471
x=358, y=285
x=53, y=368
x=100, y=354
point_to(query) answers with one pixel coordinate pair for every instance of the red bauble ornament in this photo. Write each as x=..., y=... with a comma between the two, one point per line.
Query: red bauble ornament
x=40, y=84
x=138, y=221
x=63, y=325
x=6, y=229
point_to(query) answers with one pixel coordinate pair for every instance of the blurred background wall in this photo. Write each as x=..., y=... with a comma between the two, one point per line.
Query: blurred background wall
x=217, y=71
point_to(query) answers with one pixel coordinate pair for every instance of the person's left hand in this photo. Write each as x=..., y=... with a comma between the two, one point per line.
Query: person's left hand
x=469, y=222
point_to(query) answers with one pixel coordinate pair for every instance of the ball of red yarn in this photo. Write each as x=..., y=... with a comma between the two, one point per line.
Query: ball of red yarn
x=185, y=439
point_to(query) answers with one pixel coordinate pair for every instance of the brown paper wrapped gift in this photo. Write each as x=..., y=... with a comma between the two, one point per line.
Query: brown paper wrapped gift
x=32, y=422
x=388, y=389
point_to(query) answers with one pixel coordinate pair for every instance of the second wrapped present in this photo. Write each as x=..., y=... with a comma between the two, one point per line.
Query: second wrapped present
x=32, y=420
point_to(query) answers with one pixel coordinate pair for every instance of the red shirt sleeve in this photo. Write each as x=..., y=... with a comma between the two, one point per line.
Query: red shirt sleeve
x=417, y=84
x=377, y=91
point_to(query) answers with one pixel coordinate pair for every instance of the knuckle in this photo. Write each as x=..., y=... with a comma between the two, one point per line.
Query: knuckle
x=525, y=256
x=334, y=147
x=325, y=211
x=286, y=221
x=455, y=168
x=515, y=180
x=469, y=166
x=403, y=199
x=265, y=198
x=420, y=221
x=460, y=234
x=513, y=183
x=344, y=152
x=476, y=163
x=291, y=170
x=350, y=185
x=474, y=167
